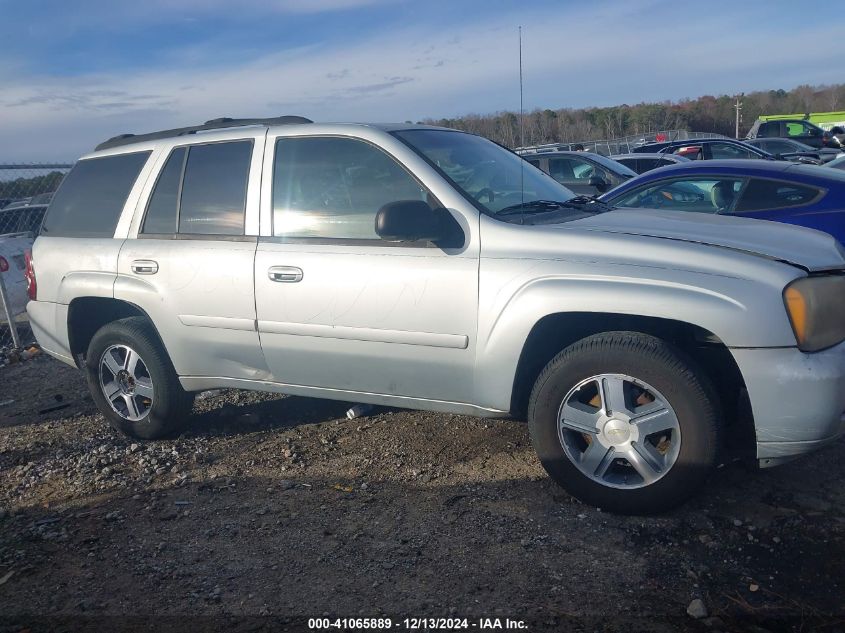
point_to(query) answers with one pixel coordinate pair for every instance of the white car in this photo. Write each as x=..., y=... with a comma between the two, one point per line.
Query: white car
x=12, y=266
x=18, y=226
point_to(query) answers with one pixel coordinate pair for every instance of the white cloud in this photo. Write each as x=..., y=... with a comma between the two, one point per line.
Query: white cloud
x=602, y=54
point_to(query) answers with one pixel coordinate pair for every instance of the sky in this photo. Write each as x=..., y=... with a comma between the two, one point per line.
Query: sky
x=75, y=73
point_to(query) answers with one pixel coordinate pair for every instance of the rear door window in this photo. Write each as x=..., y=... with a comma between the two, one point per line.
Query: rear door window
x=762, y=195
x=201, y=190
x=91, y=197
x=164, y=203
x=213, y=200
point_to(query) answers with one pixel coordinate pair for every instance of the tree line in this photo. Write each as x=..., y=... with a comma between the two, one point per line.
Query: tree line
x=27, y=187
x=703, y=114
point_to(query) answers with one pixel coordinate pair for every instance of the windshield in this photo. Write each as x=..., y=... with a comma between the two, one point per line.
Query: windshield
x=493, y=177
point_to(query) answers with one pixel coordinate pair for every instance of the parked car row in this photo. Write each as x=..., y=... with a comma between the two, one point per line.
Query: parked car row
x=725, y=148
x=750, y=182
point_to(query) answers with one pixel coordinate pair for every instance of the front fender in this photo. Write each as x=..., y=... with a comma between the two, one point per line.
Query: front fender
x=740, y=312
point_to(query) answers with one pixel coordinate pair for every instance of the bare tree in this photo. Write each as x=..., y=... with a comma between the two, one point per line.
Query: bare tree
x=704, y=114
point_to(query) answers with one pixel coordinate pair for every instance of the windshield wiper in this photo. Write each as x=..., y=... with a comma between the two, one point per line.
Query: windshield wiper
x=531, y=206
x=581, y=203
x=592, y=203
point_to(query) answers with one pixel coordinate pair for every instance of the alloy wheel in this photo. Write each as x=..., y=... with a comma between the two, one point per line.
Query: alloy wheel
x=619, y=431
x=126, y=382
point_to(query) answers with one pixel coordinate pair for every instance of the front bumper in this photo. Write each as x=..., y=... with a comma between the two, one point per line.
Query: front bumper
x=798, y=399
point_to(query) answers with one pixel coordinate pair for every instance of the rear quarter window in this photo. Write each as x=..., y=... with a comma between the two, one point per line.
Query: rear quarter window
x=762, y=195
x=91, y=198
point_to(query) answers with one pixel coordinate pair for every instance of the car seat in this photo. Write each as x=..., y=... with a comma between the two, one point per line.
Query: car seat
x=722, y=195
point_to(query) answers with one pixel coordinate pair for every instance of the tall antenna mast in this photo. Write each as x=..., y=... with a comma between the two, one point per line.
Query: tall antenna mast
x=521, y=110
x=521, y=129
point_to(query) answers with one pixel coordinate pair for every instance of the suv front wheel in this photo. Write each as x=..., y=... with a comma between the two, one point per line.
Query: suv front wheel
x=133, y=382
x=623, y=422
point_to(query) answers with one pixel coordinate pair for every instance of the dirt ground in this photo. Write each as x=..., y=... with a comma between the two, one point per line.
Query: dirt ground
x=270, y=510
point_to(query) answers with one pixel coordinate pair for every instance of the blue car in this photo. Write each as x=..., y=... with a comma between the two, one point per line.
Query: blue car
x=805, y=195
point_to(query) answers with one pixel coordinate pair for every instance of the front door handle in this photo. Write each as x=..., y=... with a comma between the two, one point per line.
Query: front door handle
x=285, y=274
x=144, y=267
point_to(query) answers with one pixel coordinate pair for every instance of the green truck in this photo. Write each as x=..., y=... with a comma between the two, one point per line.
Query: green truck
x=825, y=120
x=820, y=129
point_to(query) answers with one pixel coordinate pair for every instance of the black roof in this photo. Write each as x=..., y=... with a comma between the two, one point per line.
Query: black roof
x=214, y=124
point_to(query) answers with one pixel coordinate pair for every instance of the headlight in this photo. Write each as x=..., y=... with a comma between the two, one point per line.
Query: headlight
x=816, y=307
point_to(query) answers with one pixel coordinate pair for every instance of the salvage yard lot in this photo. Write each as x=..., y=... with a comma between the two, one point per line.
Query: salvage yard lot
x=280, y=506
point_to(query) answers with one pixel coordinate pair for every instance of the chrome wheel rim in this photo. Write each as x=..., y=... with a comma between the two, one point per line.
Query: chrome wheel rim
x=126, y=382
x=619, y=431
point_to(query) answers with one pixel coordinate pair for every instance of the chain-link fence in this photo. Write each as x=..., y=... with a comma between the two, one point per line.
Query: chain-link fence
x=25, y=192
x=622, y=145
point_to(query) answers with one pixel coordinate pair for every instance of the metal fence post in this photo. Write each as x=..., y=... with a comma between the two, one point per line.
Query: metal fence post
x=6, y=309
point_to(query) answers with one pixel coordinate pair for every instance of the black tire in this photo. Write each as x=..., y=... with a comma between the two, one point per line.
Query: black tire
x=171, y=405
x=656, y=363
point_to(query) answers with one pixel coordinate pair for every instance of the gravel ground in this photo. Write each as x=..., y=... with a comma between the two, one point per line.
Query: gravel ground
x=281, y=507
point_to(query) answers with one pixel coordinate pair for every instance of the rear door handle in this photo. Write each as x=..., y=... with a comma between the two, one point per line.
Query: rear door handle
x=144, y=267
x=285, y=274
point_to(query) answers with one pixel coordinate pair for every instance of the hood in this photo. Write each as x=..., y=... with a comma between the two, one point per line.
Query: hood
x=811, y=250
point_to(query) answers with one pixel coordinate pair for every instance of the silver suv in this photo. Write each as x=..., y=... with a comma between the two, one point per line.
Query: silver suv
x=422, y=267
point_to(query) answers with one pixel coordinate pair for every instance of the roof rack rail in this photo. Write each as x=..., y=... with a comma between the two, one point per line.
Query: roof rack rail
x=214, y=124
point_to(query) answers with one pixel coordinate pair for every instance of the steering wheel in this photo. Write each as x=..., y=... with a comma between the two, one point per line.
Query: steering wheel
x=486, y=191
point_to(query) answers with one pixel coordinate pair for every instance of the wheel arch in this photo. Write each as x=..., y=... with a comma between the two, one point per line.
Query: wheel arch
x=554, y=332
x=86, y=315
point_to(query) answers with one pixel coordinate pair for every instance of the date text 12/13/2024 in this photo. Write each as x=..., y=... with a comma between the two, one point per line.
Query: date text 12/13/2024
x=416, y=624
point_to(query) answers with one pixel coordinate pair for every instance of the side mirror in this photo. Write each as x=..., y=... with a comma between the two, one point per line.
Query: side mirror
x=599, y=183
x=814, y=132
x=409, y=221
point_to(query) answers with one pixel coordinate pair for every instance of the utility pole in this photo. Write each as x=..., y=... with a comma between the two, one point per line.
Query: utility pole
x=521, y=109
x=738, y=108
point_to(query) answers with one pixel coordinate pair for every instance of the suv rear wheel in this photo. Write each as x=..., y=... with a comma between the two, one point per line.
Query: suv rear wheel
x=623, y=422
x=133, y=382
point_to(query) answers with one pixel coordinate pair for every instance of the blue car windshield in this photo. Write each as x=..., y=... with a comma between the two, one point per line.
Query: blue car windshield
x=493, y=177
